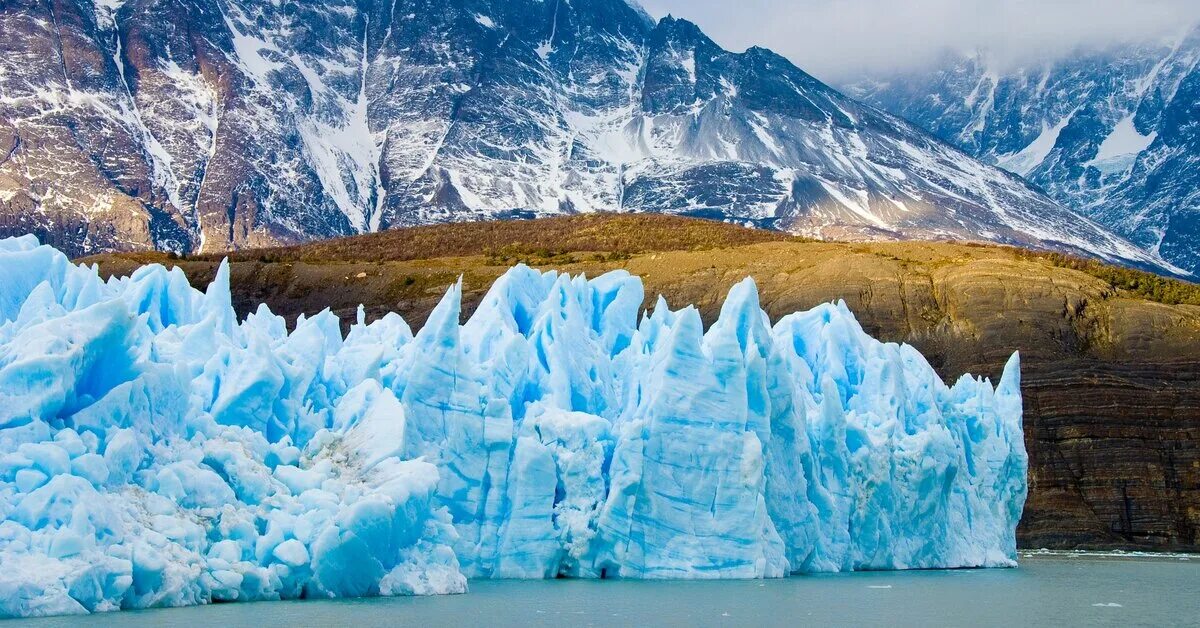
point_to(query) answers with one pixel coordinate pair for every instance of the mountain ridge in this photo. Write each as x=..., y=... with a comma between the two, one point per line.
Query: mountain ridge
x=227, y=124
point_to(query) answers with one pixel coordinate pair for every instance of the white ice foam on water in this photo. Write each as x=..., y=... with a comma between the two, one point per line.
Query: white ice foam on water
x=158, y=452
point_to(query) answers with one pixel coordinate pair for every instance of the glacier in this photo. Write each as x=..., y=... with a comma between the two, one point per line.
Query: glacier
x=156, y=451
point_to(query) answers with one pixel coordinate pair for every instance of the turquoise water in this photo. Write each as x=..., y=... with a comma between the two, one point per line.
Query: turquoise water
x=1054, y=590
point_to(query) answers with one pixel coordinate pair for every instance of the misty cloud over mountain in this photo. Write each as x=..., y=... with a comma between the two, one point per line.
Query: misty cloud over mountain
x=833, y=39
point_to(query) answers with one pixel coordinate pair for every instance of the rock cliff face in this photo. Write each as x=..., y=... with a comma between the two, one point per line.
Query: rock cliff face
x=1111, y=379
x=207, y=125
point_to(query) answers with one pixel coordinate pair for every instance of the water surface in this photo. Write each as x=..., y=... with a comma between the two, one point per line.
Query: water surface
x=1045, y=590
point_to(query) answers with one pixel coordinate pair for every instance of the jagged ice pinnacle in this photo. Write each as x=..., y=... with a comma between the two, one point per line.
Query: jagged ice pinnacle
x=156, y=452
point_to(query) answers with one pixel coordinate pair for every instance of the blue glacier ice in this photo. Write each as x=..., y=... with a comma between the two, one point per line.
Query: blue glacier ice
x=156, y=451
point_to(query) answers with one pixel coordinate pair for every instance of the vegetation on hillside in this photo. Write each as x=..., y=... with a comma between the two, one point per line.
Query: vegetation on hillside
x=1137, y=283
x=545, y=238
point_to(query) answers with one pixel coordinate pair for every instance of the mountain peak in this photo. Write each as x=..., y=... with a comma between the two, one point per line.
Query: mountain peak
x=681, y=30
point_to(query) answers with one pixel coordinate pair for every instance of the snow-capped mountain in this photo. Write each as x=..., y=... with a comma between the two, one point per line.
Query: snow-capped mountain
x=1112, y=133
x=214, y=124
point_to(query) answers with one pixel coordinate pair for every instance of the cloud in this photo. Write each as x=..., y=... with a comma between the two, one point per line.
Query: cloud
x=836, y=39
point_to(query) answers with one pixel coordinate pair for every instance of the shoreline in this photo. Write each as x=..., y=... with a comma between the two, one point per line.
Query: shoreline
x=1105, y=554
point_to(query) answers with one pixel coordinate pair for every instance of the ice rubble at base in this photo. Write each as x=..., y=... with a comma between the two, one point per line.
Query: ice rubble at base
x=155, y=452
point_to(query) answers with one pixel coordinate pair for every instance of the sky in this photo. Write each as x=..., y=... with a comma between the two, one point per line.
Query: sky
x=840, y=39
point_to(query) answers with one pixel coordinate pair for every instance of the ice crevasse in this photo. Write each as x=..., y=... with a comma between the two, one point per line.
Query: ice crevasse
x=155, y=451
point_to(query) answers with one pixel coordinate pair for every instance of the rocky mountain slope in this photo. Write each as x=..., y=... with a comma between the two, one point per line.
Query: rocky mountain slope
x=205, y=125
x=1111, y=357
x=1111, y=133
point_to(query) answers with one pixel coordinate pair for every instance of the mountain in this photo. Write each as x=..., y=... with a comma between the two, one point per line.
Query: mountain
x=206, y=125
x=1095, y=340
x=1112, y=132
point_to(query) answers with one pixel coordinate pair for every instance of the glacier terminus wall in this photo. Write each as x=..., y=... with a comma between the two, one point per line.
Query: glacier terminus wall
x=156, y=451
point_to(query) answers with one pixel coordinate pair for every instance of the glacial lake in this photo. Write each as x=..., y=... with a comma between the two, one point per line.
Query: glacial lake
x=1047, y=589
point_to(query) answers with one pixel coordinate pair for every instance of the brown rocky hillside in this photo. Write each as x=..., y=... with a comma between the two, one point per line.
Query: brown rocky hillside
x=1111, y=357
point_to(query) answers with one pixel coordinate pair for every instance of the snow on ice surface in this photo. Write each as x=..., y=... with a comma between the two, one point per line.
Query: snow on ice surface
x=1120, y=149
x=1032, y=156
x=156, y=452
